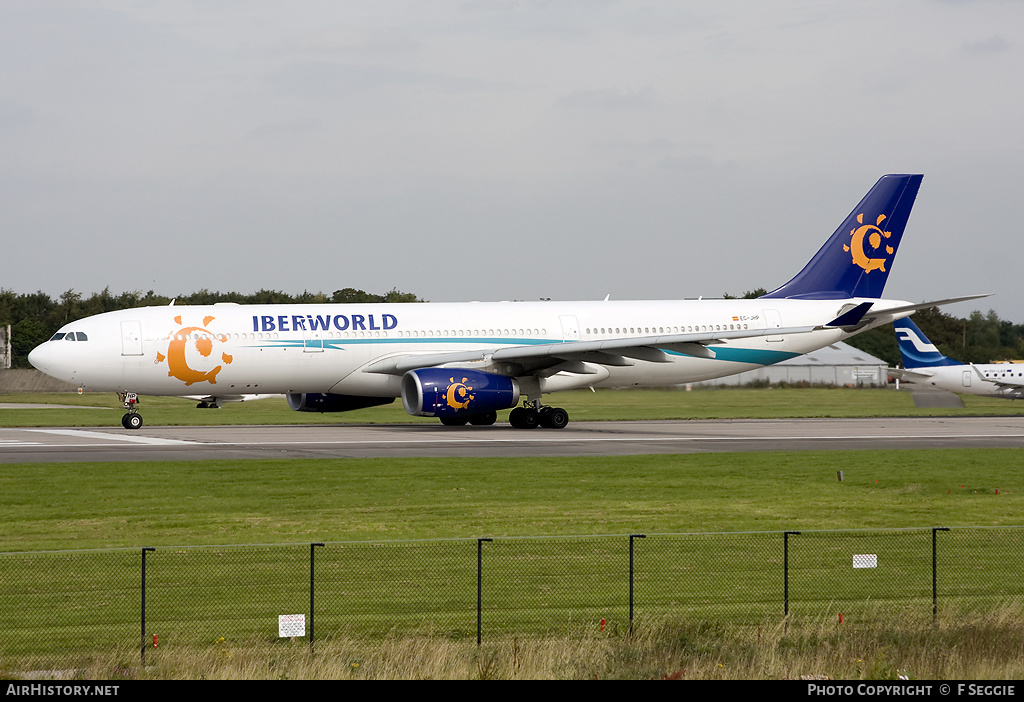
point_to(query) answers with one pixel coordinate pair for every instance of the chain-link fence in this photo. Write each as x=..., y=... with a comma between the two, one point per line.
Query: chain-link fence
x=61, y=608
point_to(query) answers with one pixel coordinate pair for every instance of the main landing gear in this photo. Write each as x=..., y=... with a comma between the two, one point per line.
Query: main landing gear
x=478, y=420
x=132, y=419
x=532, y=415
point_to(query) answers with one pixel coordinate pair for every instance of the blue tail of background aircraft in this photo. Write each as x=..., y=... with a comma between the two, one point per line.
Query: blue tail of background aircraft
x=857, y=258
x=915, y=348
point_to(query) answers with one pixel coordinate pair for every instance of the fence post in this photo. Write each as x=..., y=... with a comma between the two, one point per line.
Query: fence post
x=479, y=586
x=143, y=606
x=631, y=537
x=785, y=573
x=935, y=573
x=312, y=560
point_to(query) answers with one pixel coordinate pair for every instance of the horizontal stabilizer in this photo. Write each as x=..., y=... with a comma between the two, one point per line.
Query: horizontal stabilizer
x=882, y=315
x=904, y=374
x=933, y=303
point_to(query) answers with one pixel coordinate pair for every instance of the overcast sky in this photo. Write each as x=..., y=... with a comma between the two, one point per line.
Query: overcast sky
x=504, y=149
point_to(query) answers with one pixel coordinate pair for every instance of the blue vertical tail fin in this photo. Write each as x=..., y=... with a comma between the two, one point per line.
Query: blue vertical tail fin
x=915, y=348
x=857, y=258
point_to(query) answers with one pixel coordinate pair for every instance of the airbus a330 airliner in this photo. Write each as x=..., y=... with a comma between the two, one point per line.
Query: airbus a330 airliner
x=923, y=363
x=463, y=362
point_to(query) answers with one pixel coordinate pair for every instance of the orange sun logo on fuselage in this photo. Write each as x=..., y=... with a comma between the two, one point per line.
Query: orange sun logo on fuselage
x=192, y=348
x=874, y=235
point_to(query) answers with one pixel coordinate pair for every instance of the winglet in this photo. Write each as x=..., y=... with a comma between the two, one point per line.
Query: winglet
x=981, y=376
x=852, y=317
x=857, y=258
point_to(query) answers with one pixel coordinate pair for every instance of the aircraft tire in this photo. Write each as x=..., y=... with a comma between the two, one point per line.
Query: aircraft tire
x=554, y=418
x=131, y=420
x=524, y=418
x=454, y=421
x=484, y=420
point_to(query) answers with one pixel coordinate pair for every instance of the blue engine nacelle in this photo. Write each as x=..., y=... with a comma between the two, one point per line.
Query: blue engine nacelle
x=450, y=392
x=320, y=402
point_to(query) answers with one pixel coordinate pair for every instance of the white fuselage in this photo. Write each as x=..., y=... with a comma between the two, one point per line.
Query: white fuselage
x=987, y=379
x=228, y=349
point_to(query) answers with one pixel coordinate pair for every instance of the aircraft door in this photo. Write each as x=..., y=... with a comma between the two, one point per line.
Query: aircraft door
x=313, y=341
x=570, y=327
x=967, y=378
x=131, y=338
x=773, y=320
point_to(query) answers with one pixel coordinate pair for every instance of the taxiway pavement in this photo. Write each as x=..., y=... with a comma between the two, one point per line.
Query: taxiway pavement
x=44, y=445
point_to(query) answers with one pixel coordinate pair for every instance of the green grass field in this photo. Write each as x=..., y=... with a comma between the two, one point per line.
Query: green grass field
x=399, y=559
x=101, y=505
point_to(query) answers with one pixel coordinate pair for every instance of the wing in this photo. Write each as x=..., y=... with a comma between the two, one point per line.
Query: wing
x=571, y=355
x=1000, y=382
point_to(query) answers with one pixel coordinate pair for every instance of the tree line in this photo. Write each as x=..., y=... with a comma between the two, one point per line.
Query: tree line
x=34, y=317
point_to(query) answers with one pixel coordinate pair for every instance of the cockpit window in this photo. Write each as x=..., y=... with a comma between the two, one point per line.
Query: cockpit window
x=70, y=336
x=57, y=337
x=81, y=336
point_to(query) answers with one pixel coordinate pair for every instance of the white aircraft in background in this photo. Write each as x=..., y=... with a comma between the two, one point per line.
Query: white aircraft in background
x=462, y=362
x=924, y=364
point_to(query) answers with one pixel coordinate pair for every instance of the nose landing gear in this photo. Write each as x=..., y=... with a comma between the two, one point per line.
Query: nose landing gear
x=132, y=419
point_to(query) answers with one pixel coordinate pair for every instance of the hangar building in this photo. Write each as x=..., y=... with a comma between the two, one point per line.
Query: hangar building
x=839, y=364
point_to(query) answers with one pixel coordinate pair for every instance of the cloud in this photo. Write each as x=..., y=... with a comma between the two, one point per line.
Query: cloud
x=995, y=44
x=609, y=99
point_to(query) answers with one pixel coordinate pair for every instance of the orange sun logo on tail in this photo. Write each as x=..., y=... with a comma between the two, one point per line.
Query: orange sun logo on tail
x=190, y=350
x=874, y=235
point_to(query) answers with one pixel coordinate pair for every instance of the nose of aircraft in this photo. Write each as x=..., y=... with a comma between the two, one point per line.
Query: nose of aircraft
x=42, y=358
x=39, y=357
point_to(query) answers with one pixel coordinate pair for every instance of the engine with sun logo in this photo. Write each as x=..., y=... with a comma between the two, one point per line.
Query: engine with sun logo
x=194, y=353
x=447, y=392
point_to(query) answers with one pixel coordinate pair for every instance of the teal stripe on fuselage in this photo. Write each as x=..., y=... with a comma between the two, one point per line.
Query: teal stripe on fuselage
x=732, y=354
x=340, y=344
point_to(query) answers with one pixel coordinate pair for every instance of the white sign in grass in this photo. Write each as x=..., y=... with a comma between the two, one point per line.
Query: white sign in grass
x=865, y=560
x=291, y=625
